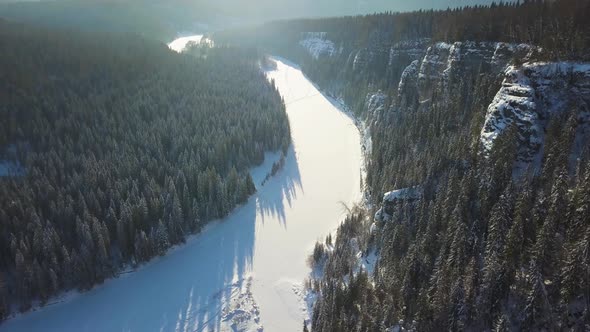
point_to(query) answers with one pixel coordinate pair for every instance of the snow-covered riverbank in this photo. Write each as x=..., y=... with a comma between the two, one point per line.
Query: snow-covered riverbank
x=244, y=272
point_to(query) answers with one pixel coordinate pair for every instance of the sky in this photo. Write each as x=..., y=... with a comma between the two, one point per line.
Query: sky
x=314, y=8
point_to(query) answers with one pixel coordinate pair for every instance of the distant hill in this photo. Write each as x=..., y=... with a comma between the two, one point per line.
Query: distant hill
x=164, y=19
x=125, y=16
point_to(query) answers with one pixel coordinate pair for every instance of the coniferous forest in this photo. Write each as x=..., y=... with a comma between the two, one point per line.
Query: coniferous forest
x=493, y=243
x=115, y=148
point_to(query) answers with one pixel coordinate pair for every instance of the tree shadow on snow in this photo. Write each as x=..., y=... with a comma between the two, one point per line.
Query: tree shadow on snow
x=183, y=291
x=280, y=190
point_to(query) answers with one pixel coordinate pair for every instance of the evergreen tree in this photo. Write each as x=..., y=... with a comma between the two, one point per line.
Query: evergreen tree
x=537, y=311
x=161, y=239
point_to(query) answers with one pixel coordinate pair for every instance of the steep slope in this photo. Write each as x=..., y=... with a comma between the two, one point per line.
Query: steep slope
x=490, y=123
x=473, y=220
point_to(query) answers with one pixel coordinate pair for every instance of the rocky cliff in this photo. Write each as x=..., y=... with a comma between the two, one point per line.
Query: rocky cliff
x=419, y=75
x=530, y=96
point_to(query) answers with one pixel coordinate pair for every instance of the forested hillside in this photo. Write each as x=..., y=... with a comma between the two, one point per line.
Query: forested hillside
x=114, y=148
x=129, y=16
x=329, y=48
x=480, y=127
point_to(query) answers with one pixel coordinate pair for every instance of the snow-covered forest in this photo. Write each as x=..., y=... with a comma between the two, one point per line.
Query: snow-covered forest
x=471, y=210
x=123, y=149
x=480, y=126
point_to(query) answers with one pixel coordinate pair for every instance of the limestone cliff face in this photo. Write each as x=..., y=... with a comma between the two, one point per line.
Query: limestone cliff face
x=530, y=96
x=442, y=64
x=422, y=70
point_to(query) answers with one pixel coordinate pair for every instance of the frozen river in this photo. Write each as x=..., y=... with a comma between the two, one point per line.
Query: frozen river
x=246, y=271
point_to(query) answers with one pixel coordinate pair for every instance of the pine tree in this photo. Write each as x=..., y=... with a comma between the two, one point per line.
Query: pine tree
x=142, y=247
x=513, y=251
x=194, y=217
x=559, y=199
x=544, y=251
x=502, y=324
x=499, y=223
x=575, y=273
x=458, y=317
x=581, y=206
x=458, y=249
x=123, y=227
x=161, y=237
x=3, y=299
x=471, y=290
x=494, y=287
x=23, y=280
x=516, y=240
x=537, y=310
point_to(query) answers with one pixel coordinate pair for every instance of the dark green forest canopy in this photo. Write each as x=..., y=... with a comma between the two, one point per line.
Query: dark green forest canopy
x=560, y=27
x=123, y=148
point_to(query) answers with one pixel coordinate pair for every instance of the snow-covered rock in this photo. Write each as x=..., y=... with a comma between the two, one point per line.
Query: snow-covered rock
x=407, y=90
x=435, y=61
x=443, y=63
x=376, y=102
x=317, y=44
x=530, y=95
x=395, y=198
x=505, y=52
x=408, y=76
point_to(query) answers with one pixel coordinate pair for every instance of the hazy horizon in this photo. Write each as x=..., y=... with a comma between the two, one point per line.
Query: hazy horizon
x=282, y=9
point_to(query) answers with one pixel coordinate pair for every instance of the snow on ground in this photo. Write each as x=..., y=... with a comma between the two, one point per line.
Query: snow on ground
x=307, y=300
x=243, y=272
x=317, y=45
x=240, y=312
x=180, y=44
x=329, y=172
